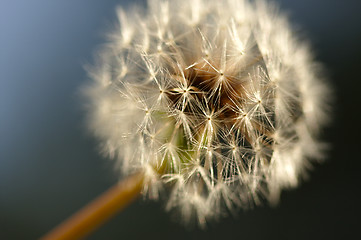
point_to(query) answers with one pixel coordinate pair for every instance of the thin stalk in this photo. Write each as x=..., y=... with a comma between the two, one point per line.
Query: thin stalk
x=98, y=211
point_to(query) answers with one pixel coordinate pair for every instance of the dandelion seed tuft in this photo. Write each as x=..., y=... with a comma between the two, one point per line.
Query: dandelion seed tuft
x=216, y=102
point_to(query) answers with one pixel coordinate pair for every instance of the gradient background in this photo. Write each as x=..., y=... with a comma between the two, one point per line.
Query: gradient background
x=49, y=165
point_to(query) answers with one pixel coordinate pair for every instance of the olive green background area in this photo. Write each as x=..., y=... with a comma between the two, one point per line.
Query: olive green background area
x=50, y=166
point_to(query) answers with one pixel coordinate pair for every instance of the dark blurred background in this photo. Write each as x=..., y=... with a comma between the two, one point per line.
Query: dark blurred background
x=50, y=167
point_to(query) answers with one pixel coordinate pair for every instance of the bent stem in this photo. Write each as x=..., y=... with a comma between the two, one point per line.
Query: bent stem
x=98, y=211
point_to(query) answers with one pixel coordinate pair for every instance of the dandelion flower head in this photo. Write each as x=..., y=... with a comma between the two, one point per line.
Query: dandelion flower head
x=217, y=102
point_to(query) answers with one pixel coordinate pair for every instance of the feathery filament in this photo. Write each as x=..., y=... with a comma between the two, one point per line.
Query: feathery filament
x=216, y=101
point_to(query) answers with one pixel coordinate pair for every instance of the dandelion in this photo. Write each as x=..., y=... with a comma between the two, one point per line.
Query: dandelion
x=216, y=103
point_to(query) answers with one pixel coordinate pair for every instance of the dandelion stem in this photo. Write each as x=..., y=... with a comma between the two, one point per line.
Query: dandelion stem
x=98, y=211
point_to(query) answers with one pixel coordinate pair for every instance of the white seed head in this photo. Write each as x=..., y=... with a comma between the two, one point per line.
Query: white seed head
x=216, y=101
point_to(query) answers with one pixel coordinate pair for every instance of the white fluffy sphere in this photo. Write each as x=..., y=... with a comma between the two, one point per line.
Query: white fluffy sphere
x=215, y=101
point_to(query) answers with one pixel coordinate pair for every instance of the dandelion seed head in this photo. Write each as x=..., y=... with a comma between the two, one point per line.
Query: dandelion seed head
x=216, y=102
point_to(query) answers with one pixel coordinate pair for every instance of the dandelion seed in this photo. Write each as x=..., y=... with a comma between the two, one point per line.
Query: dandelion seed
x=215, y=102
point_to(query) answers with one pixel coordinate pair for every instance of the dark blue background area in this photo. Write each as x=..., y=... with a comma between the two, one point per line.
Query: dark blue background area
x=50, y=167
